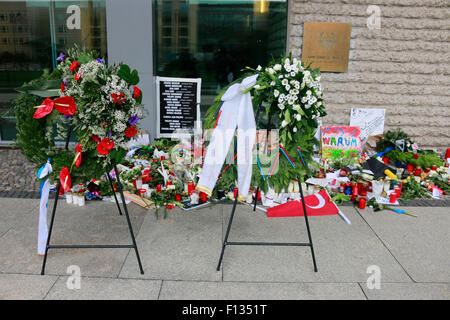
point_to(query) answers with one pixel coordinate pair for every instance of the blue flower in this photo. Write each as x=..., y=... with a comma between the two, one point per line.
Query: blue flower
x=100, y=60
x=133, y=120
x=61, y=57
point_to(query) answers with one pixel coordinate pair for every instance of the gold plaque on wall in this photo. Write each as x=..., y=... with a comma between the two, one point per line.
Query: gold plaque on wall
x=326, y=45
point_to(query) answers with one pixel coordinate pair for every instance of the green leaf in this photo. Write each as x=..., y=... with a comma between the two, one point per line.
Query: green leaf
x=134, y=78
x=84, y=58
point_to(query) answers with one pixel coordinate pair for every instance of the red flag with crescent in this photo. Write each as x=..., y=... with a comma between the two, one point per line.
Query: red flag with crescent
x=318, y=204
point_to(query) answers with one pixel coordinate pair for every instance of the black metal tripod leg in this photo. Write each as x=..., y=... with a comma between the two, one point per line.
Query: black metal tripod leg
x=256, y=199
x=307, y=226
x=225, y=241
x=119, y=185
x=50, y=229
x=114, y=193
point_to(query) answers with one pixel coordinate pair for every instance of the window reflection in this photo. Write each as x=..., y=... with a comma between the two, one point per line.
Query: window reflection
x=215, y=39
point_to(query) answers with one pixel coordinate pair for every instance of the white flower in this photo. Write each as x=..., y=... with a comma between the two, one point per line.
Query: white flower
x=296, y=107
x=276, y=93
x=271, y=71
x=284, y=123
x=259, y=68
x=280, y=76
x=277, y=67
x=308, y=93
x=319, y=103
x=306, y=74
x=287, y=61
x=291, y=101
x=304, y=99
x=298, y=117
x=287, y=68
x=294, y=61
x=295, y=129
x=256, y=86
x=293, y=74
x=280, y=99
x=295, y=91
x=297, y=86
x=284, y=82
x=287, y=87
x=272, y=83
x=281, y=106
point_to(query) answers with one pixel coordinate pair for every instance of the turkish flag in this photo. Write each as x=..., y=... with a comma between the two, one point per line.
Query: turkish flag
x=318, y=204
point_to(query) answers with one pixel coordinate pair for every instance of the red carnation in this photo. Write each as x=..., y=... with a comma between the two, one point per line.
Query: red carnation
x=77, y=77
x=102, y=150
x=74, y=66
x=107, y=144
x=136, y=92
x=416, y=156
x=130, y=132
x=118, y=98
x=63, y=86
x=95, y=138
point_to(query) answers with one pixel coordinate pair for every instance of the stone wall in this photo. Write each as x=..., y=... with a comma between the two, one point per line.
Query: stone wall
x=403, y=67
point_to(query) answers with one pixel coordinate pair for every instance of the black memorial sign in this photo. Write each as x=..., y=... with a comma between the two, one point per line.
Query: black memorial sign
x=177, y=105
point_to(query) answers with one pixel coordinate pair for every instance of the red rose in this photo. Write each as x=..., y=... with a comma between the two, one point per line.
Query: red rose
x=102, y=150
x=136, y=92
x=74, y=66
x=130, y=132
x=416, y=156
x=95, y=138
x=107, y=144
x=63, y=86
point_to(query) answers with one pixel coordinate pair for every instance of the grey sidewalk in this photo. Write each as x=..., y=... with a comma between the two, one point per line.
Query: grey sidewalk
x=180, y=254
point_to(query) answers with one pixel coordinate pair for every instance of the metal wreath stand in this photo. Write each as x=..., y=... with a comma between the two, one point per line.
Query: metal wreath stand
x=92, y=246
x=257, y=243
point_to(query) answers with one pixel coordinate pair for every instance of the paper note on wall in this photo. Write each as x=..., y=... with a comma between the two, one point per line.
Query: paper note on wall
x=370, y=121
x=340, y=142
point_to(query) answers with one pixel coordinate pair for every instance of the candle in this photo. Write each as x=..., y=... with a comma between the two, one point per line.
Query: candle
x=409, y=167
x=385, y=160
x=190, y=187
x=362, y=203
x=203, y=196
x=417, y=171
x=235, y=192
x=393, y=197
x=178, y=197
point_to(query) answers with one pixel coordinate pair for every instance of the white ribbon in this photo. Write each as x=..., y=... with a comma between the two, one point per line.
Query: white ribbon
x=237, y=112
x=44, y=171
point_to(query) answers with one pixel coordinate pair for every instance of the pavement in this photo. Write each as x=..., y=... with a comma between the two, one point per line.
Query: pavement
x=381, y=255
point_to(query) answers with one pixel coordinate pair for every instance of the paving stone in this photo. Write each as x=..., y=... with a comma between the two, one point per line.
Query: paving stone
x=25, y=287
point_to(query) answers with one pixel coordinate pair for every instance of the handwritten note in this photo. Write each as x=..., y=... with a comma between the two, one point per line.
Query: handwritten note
x=340, y=142
x=370, y=121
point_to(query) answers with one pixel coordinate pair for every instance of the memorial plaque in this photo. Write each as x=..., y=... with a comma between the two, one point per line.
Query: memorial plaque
x=326, y=45
x=178, y=101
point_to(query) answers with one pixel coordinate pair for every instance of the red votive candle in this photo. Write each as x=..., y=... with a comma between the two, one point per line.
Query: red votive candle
x=385, y=160
x=409, y=167
x=362, y=203
x=393, y=197
x=203, y=196
x=235, y=192
x=191, y=187
x=178, y=197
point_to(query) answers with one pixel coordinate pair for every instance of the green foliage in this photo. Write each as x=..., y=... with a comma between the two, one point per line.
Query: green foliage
x=440, y=182
x=129, y=76
x=412, y=190
x=425, y=159
x=390, y=137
